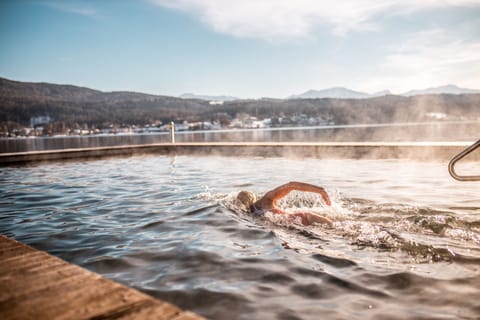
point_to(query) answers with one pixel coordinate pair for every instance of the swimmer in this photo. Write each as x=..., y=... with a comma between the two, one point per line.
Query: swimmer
x=268, y=201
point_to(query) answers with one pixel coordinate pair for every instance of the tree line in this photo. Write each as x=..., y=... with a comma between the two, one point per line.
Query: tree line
x=71, y=106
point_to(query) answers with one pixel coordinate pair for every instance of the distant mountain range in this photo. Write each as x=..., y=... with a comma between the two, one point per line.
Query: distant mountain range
x=345, y=93
x=338, y=93
x=209, y=98
x=448, y=89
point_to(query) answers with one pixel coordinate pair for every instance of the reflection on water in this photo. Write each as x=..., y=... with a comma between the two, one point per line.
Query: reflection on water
x=405, y=241
x=443, y=131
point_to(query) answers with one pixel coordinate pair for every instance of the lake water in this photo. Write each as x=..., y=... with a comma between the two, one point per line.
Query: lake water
x=405, y=243
x=427, y=131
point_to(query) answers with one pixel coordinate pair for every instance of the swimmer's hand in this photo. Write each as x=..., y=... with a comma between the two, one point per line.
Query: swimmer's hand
x=325, y=196
x=314, y=218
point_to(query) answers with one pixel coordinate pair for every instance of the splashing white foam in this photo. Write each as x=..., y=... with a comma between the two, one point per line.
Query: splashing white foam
x=419, y=231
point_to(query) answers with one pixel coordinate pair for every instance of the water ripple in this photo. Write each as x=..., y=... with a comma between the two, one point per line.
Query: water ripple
x=408, y=246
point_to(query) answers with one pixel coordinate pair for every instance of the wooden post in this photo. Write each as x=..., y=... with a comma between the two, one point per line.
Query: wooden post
x=172, y=131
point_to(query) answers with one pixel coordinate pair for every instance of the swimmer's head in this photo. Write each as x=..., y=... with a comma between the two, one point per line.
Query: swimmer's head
x=246, y=198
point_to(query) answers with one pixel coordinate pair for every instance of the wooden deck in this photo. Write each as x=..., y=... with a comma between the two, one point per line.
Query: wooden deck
x=36, y=285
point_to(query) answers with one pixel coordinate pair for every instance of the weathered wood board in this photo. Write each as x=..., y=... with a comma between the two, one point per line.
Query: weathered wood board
x=37, y=285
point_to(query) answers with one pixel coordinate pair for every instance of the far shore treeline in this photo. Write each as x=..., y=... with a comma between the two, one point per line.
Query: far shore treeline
x=75, y=107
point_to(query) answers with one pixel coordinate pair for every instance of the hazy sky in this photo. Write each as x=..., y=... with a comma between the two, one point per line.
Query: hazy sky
x=244, y=48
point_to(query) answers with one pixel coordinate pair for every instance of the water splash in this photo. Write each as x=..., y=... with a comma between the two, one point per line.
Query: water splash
x=425, y=234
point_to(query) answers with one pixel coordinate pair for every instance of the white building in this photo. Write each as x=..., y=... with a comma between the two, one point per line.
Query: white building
x=39, y=121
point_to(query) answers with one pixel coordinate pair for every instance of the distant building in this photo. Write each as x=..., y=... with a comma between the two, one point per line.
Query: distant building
x=40, y=121
x=204, y=125
x=437, y=115
x=254, y=123
x=179, y=126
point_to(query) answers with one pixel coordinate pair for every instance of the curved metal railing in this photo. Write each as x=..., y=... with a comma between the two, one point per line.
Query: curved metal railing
x=461, y=155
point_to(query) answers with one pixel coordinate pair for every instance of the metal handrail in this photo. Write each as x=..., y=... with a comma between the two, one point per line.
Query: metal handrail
x=451, y=164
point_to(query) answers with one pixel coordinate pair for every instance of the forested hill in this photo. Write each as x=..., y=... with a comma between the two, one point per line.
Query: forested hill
x=69, y=105
x=19, y=101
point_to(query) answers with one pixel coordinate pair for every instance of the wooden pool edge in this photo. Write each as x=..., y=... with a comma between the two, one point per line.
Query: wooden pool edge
x=350, y=150
x=37, y=285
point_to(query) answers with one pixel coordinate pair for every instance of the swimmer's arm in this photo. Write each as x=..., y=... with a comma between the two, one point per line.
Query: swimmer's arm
x=285, y=189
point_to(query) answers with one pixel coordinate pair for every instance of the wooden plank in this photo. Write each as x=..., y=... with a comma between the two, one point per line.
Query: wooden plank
x=36, y=285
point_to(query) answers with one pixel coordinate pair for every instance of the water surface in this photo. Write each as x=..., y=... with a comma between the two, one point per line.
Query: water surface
x=405, y=243
x=423, y=131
